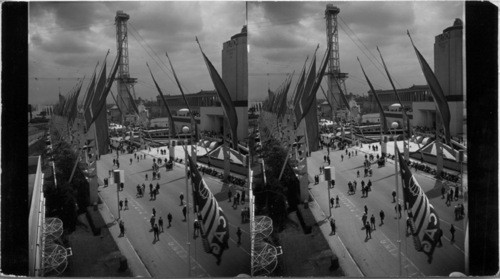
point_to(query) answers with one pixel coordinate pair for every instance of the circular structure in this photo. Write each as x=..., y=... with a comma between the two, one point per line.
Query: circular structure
x=54, y=260
x=52, y=229
x=394, y=125
x=264, y=259
x=262, y=227
x=185, y=129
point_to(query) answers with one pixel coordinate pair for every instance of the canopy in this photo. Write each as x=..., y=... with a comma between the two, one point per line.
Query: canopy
x=234, y=156
x=448, y=151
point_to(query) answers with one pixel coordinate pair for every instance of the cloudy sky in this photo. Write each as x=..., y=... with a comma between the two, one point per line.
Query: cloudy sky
x=282, y=34
x=66, y=39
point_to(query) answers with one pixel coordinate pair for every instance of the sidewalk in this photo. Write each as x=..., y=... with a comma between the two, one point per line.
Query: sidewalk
x=135, y=264
x=346, y=262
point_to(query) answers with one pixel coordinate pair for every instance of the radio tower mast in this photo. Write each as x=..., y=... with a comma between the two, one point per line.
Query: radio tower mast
x=123, y=80
x=332, y=39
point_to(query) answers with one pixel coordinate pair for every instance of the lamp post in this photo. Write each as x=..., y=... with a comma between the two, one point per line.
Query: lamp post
x=394, y=126
x=185, y=130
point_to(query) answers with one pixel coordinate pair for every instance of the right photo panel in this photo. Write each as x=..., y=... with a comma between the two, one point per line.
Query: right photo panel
x=358, y=146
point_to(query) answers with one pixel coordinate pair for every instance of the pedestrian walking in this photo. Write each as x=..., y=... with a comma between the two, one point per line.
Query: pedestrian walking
x=181, y=197
x=372, y=222
x=337, y=201
x=382, y=216
x=448, y=199
x=160, y=223
x=126, y=204
x=368, y=231
x=120, y=204
x=243, y=215
x=364, y=219
x=451, y=194
x=122, y=228
x=452, y=231
x=238, y=233
x=357, y=173
x=169, y=218
x=157, y=188
x=117, y=164
x=393, y=196
x=196, y=226
x=243, y=196
x=341, y=157
x=328, y=159
x=324, y=158
x=152, y=221
x=366, y=209
x=439, y=235
x=456, y=194
x=235, y=203
x=131, y=161
x=146, y=177
x=332, y=225
x=154, y=212
x=443, y=191
x=156, y=233
x=184, y=211
x=114, y=162
x=332, y=202
x=398, y=209
x=237, y=198
x=143, y=188
x=121, y=186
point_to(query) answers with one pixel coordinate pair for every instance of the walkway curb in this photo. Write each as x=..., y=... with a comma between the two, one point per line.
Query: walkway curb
x=134, y=262
x=347, y=263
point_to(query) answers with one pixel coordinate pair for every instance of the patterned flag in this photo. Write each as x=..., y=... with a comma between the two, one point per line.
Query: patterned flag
x=383, y=119
x=437, y=93
x=225, y=98
x=74, y=102
x=215, y=227
x=425, y=221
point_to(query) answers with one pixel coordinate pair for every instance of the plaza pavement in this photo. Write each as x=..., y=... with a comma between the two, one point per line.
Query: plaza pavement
x=169, y=256
x=378, y=256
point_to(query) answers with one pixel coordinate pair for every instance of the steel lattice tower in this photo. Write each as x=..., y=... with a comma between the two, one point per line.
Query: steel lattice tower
x=123, y=79
x=332, y=39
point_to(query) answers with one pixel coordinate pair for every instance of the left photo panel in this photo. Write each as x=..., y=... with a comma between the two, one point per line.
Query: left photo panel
x=138, y=139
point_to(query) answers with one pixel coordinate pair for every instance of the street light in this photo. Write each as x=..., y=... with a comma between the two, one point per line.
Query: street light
x=394, y=126
x=185, y=130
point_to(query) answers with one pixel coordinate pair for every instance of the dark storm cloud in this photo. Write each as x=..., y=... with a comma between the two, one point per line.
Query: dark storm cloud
x=283, y=12
x=63, y=43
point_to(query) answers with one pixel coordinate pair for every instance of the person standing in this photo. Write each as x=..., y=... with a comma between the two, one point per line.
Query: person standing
x=382, y=216
x=342, y=158
x=452, y=231
x=357, y=173
x=337, y=201
x=238, y=233
x=156, y=233
x=184, y=212
x=126, y=204
x=324, y=159
x=366, y=209
x=443, y=191
x=368, y=230
x=122, y=228
x=131, y=161
x=196, y=226
x=328, y=159
x=121, y=186
x=372, y=222
x=439, y=235
x=154, y=212
x=332, y=225
x=160, y=223
x=181, y=197
x=243, y=195
x=169, y=218
x=393, y=196
x=237, y=198
x=152, y=221
x=408, y=226
x=398, y=210
x=332, y=202
x=229, y=195
x=363, y=219
x=120, y=204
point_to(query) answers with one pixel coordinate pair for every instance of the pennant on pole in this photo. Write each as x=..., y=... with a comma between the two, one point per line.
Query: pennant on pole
x=171, y=119
x=383, y=119
x=224, y=97
x=437, y=93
